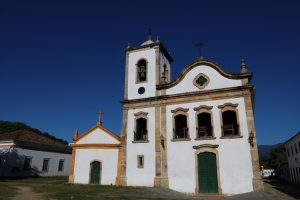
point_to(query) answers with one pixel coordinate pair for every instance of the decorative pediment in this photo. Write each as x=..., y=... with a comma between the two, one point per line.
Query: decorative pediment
x=206, y=146
x=203, y=107
x=211, y=64
x=141, y=113
x=180, y=109
x=97, y=133
x=228, y=104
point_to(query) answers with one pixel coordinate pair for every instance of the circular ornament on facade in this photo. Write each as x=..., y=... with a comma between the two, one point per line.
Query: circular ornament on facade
x=201, y=81
x=141, y=90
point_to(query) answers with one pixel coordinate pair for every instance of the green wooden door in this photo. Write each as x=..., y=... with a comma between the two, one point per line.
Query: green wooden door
x=207, y=173
x=95, y=172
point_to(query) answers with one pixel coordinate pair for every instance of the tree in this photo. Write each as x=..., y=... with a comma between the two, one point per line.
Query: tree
x=278, y=158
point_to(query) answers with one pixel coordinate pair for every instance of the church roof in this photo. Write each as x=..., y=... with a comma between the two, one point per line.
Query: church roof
x=293, y=137
x=150, y=44
x=31, y=140
x=149, y=41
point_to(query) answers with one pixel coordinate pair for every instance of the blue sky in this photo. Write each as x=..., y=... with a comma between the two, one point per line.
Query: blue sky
x=62, y=61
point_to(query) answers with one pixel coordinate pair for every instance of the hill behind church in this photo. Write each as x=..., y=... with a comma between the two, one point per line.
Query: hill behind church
x=7, y=127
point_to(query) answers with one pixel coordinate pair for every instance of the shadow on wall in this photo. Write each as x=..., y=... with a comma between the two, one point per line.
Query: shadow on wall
x=14, y=165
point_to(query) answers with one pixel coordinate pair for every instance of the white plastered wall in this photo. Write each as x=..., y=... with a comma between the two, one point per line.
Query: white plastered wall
x=109, y=165
x=216, y=81
x=37, y=159
x=235, y=164
x=150, y=84
x=141, y=176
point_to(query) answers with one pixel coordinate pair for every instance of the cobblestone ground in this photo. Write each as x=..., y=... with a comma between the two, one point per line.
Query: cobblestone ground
x=282, y=190
x=271, y=193
x=274, y=190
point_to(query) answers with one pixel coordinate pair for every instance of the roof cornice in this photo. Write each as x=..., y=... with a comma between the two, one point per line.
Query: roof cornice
x=188, y=94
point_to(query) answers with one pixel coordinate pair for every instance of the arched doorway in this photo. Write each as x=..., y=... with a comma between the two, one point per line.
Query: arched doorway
x=95, y=173
x=207, y=173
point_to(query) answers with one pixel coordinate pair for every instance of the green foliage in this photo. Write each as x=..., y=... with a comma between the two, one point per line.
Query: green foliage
x=278, y=158
x=6, y=126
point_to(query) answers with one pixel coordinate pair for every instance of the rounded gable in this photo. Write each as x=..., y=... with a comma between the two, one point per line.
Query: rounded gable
x=199, y=63
x=203, y=75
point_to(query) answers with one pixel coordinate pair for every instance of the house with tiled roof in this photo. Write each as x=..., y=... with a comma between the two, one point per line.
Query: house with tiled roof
x=26, y=153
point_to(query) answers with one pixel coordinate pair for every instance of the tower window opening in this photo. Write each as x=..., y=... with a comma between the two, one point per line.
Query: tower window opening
x=142, y=71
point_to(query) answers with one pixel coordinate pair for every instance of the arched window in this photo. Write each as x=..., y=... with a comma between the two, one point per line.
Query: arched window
x=141, y=133
x=181, y=128
x=141, y=71
x=204, y=123
x=229, y=120
x=180, y=124
x=204, y=128
x=230, y=124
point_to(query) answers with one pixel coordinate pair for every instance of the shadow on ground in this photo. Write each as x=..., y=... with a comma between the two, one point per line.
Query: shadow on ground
x=290, y=189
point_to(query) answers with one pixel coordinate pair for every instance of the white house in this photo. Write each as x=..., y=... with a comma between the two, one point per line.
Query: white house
x=26, y=153
x=194, y=134
x=293, y=154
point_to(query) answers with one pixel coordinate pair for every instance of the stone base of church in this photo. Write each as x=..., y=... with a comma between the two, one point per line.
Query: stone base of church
x=71, y=179
x=122, y=180
x=160, y=181
x=258, y=184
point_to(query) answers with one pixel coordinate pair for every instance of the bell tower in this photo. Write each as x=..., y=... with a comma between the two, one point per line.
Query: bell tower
x=147, y=65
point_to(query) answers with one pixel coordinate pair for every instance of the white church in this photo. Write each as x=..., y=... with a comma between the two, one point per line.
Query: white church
x=194, y=134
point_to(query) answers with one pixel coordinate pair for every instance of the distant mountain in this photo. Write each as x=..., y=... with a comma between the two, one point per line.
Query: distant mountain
x=6, y=127
x=264, y=150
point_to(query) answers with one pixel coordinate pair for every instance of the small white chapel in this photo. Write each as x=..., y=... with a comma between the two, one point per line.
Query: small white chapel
x=194, y=134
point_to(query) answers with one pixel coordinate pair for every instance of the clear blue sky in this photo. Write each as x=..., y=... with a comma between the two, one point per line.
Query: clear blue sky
x=62, y=61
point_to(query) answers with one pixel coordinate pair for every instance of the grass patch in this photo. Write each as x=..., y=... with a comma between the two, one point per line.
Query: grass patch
x=6, y=191
x=91, y=192
x=58, y=188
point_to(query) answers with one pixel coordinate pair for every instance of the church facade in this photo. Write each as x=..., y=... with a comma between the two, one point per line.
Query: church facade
x=195, y=134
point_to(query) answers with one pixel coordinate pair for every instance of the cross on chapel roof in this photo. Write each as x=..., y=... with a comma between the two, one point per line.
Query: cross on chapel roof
x=100, y=113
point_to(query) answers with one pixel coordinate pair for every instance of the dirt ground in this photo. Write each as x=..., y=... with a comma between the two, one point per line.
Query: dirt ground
x=25, y=192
